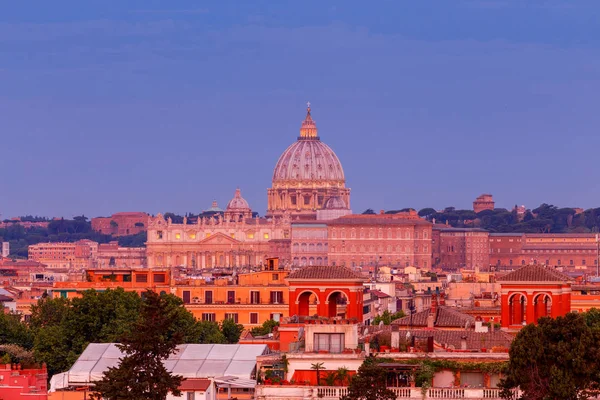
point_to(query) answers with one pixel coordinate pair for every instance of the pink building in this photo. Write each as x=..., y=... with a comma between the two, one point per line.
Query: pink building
x=17, y=383
x=121, y=224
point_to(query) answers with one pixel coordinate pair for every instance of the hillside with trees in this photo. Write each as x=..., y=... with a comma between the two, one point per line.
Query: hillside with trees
x=59, y=230
x=544, y=219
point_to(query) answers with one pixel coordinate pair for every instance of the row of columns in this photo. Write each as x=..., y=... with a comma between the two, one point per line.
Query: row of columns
x=282, y=200
x=204, y=259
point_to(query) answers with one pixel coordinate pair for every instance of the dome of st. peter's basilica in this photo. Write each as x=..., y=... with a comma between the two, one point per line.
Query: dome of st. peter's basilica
x=306, y=175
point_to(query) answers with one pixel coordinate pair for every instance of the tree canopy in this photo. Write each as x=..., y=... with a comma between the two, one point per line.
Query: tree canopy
x=556, y=359
x=369, y=383
x=141, y=374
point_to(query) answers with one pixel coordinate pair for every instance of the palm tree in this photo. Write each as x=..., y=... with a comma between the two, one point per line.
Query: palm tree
x=342, y=375
x=317, y=367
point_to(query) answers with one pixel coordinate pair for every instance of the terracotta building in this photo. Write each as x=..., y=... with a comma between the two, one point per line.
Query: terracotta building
x=531, y=292
x=17, y=383
x=121, y=224
x=483, y=202
x=76, y=255
x=249, y=299
x=306, y=175
x=570, y=250
x=462, y=248
x=401, y=239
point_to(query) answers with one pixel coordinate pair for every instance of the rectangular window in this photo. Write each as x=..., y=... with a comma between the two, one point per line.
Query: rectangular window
x=159, y=234
x=186, y=297
x=571, y=262
x=209, y=317
x=254, y=297
x=232, y=316
x=231, y=297
x=276, y=316
x=275, y=277
x=254, y=318
x=159, y=278
x=208, y=297
x=583, y=262
x=306, y=200
x=141, y=278
x=191, y=396
x=277, y=297
x=266, y=235
x=293, y=200
x=331, y=342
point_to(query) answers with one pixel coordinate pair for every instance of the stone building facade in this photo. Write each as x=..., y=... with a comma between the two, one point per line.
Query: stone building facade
x=462, y=248
x=309, y=243
x=570, y=250
x=401, y=239
x=483, y=202
x=228, y=240
x=121, y=224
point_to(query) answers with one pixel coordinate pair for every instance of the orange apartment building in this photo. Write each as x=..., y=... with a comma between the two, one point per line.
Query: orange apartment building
x=248, y=298
x=78, y=255
x=121, y=224
x=130, y=279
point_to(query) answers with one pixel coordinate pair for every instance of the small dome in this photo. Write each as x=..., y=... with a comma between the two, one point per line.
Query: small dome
x=214, y=208
x=238, y=203
x=335, y=203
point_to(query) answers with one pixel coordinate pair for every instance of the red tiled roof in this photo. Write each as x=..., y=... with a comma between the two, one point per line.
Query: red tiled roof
x=446, y=317
x=379, y=294
x=475, y=340
x=194, y=385
x=324, y=272
x=535, y=273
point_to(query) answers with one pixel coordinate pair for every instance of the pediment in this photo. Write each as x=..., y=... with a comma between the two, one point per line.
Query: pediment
x=219, y=238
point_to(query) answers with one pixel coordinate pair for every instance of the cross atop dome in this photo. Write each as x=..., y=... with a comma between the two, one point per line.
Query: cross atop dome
x=308, y=130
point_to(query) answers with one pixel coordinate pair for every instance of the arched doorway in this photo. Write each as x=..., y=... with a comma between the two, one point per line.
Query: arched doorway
x=542, y=306
x=517, y=309
x=337, y=302
x=307, y=303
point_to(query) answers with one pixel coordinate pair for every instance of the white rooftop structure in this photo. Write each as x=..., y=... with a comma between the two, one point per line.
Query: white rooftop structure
x=233, y=364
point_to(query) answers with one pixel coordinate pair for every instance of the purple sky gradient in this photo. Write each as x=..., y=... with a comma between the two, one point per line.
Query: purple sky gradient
x=164, y=106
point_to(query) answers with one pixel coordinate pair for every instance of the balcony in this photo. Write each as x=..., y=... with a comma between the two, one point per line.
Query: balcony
x=292, y=392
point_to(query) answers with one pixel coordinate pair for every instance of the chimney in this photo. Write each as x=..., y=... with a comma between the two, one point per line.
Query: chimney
x=367, y=348
x=434, y=304
x=463, y=342
x=443, y=299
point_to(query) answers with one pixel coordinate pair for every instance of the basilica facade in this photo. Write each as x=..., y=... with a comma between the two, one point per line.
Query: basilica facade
x=308, y=183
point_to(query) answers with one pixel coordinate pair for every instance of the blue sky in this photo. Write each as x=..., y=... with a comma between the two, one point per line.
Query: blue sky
x=156, y=106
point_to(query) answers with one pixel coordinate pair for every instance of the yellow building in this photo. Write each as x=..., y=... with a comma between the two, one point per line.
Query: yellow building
x=249, y=299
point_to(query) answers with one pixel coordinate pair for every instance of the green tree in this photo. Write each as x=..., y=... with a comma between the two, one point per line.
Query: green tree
x=370, y=383
x=141, y=374
x=14, y=331
x=342, y=375
x=556, y=359
x=317, y=367
x=426, y=212
x=231, y=330
x=368, y=211
x=387, y=317
x=208, y=332
x=265, y=329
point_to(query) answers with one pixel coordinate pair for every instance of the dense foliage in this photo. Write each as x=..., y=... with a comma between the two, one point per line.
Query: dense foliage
x=141, y=373
x=369, y=383
x=60, y=329
x=60, y=230
x=387, y=317
x=544, y=219
x=556, y=359
x=265, y=329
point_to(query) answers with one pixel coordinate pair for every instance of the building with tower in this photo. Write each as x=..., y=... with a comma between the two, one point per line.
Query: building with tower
x=306, y=175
